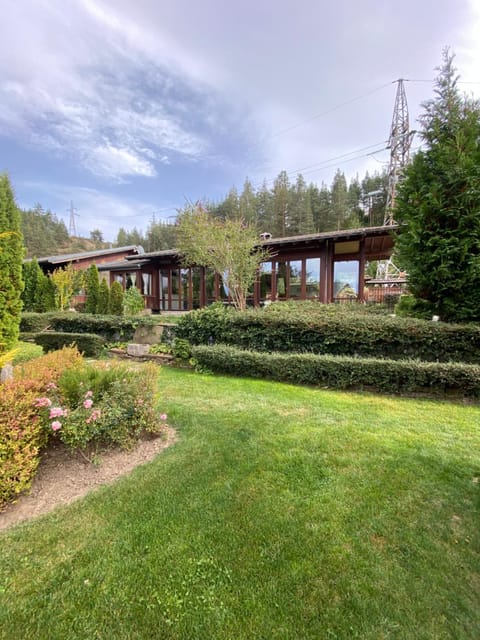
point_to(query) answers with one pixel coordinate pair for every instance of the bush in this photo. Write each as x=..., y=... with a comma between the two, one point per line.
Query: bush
x=26, y=351
x=32, y=322
x=339, y=372
x=106, y=403
x=21, y=430
x=133, y=302
x=335, y=331
x=89, y=344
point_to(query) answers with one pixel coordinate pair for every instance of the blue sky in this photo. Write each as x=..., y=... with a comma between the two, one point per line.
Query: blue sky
x=131, y=109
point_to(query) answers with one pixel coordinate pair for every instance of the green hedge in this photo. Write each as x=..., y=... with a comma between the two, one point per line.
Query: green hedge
x=334, y=332
x=91, y=345
x=112, y=328
x=340, y=372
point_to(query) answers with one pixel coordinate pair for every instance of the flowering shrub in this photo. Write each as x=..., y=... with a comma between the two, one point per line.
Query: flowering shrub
x=21, y=430
x=107, y=403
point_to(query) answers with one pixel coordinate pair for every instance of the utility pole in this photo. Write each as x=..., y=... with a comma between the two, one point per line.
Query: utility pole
x=72, y=228
x=399, y=145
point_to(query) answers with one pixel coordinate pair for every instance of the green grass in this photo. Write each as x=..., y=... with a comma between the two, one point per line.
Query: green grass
x=281, y=513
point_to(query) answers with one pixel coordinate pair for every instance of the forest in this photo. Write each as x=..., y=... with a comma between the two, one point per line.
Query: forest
x=286, y=208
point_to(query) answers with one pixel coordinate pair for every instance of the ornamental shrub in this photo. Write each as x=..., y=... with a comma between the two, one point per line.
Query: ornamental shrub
x=116, y=299
x=89, y=344
x=133, y=302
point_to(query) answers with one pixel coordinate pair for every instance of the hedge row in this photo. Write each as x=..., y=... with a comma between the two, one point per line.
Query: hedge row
x=334, y=333
x=340, y=372
x=112, y=328
x=91, y=345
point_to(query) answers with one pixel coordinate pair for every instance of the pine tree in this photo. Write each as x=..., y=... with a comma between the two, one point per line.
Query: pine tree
x=92, y=286
x=438, y=205
x=31, y=277
x=11, y=256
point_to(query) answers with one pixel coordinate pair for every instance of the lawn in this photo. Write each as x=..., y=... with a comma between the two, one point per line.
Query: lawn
x=281, y=513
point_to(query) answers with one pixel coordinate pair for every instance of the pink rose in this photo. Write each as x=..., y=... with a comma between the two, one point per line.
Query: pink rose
x=56, y=425
x=43, y=402
x=87, y=403
x=56, y=412
x=163, y=417
x=89, y=394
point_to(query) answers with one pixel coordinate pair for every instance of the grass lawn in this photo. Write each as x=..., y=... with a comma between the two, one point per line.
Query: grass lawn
x=281, y=513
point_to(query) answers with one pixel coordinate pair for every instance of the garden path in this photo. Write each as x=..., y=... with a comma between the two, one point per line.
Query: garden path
x=64, y=476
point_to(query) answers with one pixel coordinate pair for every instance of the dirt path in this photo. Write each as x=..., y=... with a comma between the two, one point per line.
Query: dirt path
x=64, y=476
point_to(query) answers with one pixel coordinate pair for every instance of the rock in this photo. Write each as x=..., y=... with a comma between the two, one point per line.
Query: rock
x=138, y=349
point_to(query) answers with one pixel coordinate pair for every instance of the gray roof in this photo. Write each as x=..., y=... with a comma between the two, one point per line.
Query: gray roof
x=70, y=257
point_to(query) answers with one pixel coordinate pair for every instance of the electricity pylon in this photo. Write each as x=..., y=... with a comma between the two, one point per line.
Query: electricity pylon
x=399, y=145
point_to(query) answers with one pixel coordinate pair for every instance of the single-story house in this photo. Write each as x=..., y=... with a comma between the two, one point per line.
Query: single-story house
x=316, y=266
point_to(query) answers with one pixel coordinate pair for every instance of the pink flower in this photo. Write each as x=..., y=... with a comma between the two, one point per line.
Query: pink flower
x=56, y=425
x=56, y=412
x=95, y=415
x=89, y=394
x=163, y=417
x=42, y=402
x=51, y=386
x=87, y=403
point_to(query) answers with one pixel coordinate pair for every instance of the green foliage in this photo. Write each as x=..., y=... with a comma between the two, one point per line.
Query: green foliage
x=26, y=351
x=332, y=329
x=92, y=287
x=116, y=299
x=109, y=403
x=43, y=233
x=68, y=282
x=390, y=376
x=11, y=255
x=91, y=345
x=438, y=204
x=39, y=292
x=21, y=431
x=133, y=302
x=103, y=306
x=112, y=328
x=182, y=349
x=229, y=247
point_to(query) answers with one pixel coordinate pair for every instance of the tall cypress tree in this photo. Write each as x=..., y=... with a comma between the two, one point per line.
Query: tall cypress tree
x=11, y=257
x=438, y=205
x=92, y=286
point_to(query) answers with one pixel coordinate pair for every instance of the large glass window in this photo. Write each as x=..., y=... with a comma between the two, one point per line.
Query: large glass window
x=147, y=284
x=266, y=281
x=163, y=281
x=295, y=279
x=175, y=290
x=185, y=279
x=345, y=280
x=281, y=280
x=312, y=277
x=196, y=284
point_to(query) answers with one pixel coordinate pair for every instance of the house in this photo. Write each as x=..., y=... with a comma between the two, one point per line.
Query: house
x=308, y=267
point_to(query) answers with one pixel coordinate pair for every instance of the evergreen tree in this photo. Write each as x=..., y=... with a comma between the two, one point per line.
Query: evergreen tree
x=116, y=299
x=32, y=275
x=281, y=203
x=247, y=203
x=11, y=256
x=92, y=286
x=103, y=306
x=438, y=205
x=46, y=295
x=339, y=200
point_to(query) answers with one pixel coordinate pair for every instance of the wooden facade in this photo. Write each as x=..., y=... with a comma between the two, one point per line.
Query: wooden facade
x=327, y=267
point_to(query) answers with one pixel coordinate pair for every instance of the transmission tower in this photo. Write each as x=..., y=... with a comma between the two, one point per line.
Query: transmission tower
x=399, y=145
x=72, y=228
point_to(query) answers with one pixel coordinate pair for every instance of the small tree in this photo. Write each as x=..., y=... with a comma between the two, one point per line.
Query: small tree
x=31, y=277
x=92, y=287
x=103, y=306
x=11, y=257
x=116, y=299
x=68, y=282
x=133, y=302
x=438, y=205
x=230, y=247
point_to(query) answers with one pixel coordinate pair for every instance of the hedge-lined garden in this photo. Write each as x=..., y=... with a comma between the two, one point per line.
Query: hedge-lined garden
x=339, y=347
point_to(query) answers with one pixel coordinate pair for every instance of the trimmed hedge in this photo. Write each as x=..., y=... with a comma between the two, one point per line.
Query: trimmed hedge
x=335, y=332
x=340, y=372
x=112, y=328
x=91, y=345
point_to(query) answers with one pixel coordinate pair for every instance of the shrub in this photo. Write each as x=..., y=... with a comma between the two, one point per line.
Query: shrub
x=26, y=351
x=133, y=302
x=108, y=403
x=340, y=372
x=21, y=431
x=116, y=299
x=332, y=331
x=89, y=344
x=103, y=306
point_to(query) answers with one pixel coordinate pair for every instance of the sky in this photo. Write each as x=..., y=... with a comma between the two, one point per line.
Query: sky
x=128, y=111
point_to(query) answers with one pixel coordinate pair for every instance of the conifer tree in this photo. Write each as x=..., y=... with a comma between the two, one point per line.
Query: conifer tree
x=92, y=286
x=11, y=256
x=438, y=205
x=103, y=306
x=116, y=299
